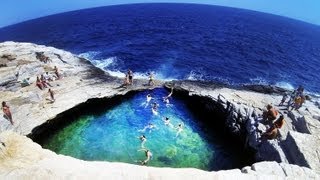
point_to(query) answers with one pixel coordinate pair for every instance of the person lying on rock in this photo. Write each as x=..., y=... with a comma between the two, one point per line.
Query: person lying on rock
x=271, y=113
x=7, y=112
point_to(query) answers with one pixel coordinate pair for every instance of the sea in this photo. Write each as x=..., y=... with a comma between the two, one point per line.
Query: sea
x=184, y=42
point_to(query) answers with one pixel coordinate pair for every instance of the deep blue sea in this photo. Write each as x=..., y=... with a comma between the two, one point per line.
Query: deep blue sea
x=185, y=41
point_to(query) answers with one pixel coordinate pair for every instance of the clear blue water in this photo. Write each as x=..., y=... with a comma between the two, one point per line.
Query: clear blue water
x=113, y=136
x=185, y=41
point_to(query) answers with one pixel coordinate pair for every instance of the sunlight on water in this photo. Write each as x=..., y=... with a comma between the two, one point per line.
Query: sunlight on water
x=113, y=136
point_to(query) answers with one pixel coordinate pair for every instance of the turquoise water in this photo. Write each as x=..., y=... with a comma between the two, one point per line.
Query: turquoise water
x=114, y=136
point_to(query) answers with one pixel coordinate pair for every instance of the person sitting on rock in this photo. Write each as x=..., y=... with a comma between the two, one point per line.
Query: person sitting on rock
x=271, y=133
x=7, y=112
x=39, y=83
x=297, y=103
x=279, y=122
x=48, y=77
x=56, y=72
x=44, y=81
x=271, y=113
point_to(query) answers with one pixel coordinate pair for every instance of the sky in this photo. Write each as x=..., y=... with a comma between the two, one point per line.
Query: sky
x=15, y=11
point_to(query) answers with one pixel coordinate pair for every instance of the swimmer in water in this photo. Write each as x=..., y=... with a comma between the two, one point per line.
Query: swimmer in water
x=179, y=129
x=143, y=140
x=154, y=108
x=148, y=155
x=150, y=126
x=166, y=121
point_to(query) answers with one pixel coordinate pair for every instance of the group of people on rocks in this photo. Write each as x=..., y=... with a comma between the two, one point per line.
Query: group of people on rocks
x=41, y=82
x=296, y=99
x=45, y=78
x=128, y=79
x=150, y=127
x=271, y=116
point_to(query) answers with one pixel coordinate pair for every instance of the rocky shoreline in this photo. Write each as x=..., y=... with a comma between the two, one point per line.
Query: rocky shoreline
x=82, y=82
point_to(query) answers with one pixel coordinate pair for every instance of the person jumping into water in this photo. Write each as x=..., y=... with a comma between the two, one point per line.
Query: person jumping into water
x=166, y=98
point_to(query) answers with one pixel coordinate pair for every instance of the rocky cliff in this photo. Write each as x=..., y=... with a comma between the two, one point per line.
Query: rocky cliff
x=31, y=107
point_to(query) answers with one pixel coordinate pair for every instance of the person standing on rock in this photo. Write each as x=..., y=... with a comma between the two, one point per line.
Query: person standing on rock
x=130, y=74
x=284, y=98
x=7, y=112
x=151, y=79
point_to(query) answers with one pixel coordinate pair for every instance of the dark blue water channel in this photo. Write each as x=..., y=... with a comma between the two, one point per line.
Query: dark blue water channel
x=113, y=135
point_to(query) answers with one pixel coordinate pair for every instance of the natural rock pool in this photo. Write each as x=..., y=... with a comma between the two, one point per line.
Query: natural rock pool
x=112, y=134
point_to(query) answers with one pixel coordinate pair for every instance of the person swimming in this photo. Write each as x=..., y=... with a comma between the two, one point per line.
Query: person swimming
x=149, y=97
x=150, y=126
x=167, y=122
x=143, y=140
x=148, y=154
x=154, y=108
x=179, y=129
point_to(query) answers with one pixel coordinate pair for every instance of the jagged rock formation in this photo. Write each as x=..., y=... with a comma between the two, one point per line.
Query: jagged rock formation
x=298, y=139
x=21, y=158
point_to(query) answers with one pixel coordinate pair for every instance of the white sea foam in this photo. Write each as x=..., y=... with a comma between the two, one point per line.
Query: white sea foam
x=89, y=55
x=259, y=80
x=285, y=85
x=194, y=76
